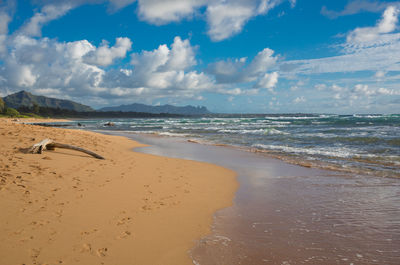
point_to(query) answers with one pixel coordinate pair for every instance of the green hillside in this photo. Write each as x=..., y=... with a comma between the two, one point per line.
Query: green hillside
x=27, y=99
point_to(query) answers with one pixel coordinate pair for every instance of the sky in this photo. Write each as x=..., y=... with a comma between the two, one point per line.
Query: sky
x=232, y=56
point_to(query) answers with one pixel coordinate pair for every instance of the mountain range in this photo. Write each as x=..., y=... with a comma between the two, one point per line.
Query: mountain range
x=170, y=109
x=27, y=99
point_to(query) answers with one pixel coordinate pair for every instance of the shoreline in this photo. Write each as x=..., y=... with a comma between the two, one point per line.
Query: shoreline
x=131, y=207
x=293, y=160
x=328, y=217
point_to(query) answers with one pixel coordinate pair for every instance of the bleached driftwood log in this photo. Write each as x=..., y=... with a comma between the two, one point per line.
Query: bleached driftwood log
x=48, y=144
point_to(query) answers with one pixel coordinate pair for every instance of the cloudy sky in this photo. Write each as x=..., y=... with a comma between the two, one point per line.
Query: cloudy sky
x=241, y=56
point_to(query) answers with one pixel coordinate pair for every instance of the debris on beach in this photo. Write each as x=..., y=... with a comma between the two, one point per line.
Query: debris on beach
x=48, y=144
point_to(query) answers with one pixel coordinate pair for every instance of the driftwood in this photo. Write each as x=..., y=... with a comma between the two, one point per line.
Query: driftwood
x=48, y=144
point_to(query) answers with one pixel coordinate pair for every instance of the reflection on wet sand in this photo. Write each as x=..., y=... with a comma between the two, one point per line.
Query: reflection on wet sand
x=287, y=214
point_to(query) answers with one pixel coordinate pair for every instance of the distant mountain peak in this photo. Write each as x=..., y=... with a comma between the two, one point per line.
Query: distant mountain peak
x=170, y=109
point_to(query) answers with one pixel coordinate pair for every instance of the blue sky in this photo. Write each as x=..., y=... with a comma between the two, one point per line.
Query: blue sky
x=253, y=56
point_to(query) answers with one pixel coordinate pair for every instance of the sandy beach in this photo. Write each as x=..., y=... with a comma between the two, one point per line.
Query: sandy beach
x=65, y=207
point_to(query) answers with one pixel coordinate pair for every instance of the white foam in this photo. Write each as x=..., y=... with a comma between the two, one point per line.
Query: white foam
x=338, y=152
x=173, y=134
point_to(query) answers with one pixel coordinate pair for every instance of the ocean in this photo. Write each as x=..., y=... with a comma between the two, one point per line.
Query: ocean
x=358, y=144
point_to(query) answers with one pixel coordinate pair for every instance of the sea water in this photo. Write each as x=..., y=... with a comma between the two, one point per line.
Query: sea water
x=361, y=144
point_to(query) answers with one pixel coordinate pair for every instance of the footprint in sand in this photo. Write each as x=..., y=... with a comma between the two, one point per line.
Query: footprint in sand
x=34, y=254
x=125, y=234
x=124, y=220
x=86, y=248
x=86, y=233
x=102, y=252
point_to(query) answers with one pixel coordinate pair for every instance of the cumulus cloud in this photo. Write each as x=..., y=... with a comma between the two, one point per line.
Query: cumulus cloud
x=44, y=63
x=227, y=18
x=76, y=69
x=239, y=70
x=163, y=12
x=105, y=55
x=386, y=25
x=163, y=67
x=268, y=81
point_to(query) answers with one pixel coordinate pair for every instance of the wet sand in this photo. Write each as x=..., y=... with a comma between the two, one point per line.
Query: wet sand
x=65, y=207
x=287, y=214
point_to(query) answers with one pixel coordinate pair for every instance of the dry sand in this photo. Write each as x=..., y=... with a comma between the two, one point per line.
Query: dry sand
x=65, y=207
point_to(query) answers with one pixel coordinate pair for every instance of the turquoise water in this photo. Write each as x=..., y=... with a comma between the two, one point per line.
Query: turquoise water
x=363, y=144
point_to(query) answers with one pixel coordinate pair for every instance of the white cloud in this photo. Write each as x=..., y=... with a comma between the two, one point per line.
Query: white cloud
x=182, y=55
x=385, y=91
x=44, y=65
x=164, y=68
x=228, y=71
x=227, y=18
x=357, y=6
x=337, y=88
x=235, y=91
x=47, y=13
x=299, y=99
x=365, y=90
x=268, y=81
x=380, y=74
x=263, y=61
x=320, y=87
x=21, y=75
x=377, y=54
x=386, y=25
x=239, y=71
x=166, y=11
x=105, y=55
x=361, y=91
x=383, y=55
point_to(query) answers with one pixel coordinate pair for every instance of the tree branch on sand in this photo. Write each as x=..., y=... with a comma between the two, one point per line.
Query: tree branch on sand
x=48, y=144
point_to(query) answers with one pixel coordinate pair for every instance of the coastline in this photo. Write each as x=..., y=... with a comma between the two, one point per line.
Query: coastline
x=328, y=217
x=64, y=206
